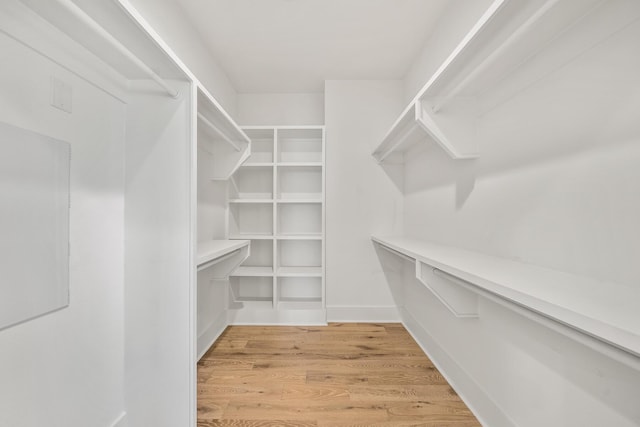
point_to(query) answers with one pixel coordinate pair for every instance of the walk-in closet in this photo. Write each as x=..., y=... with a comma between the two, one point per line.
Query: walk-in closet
x=319, y=213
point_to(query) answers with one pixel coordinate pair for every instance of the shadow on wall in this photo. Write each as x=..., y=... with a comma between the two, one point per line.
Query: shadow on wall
x=563, y=104
x=394, y=267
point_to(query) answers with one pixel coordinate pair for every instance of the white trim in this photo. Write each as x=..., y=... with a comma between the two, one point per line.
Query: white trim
x=373, y=314
x=121, y=421
x=471, y=393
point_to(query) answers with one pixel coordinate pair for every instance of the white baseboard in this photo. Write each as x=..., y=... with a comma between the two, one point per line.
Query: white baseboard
x=211, y=334
x=363, y=314
x=482, y=406
x=257, y=316
x=121, y=421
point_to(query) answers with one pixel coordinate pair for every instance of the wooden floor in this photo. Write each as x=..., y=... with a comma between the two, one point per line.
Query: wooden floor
x=344, y=374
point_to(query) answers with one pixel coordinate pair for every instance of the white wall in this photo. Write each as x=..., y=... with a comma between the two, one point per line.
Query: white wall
x=280, y=109
x=170, y=21
x=361, y=198
x=457, y=19
x=159, y=265
x=65, y=369
x=556, y=185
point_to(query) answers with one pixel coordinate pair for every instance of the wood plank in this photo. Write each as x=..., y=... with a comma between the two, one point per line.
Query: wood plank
x=325, y=376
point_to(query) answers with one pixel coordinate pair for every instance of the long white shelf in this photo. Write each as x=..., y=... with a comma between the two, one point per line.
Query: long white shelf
x=604, y=311
x=212, y=250
x=505, y=38
x=229, y=146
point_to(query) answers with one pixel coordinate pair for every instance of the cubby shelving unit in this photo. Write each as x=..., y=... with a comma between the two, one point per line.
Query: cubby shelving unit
x=448, y=108
x=276, y=200
x=598, y=314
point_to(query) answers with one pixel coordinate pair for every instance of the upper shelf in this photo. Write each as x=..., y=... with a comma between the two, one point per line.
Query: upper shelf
x=602, y=310
x=228, y=145
x=118, y=35
x=507, y=36
x=417, y=123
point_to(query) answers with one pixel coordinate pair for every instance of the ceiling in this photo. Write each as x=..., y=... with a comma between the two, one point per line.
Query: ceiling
x=275, y=46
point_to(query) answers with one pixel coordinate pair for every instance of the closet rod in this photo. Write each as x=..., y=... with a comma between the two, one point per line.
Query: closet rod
x=219, y=132
x=513, y=38
x=594, y=342
x=80, y=14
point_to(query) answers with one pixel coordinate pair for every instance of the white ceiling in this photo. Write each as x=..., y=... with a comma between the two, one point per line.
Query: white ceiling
x=294, y=45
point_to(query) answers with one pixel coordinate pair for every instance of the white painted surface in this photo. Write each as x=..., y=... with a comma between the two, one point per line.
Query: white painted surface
x=66, y=368
x=286, y=109
x=605, y=311
x=293, y=46
x=360, y=195
x=212, y=249
x=555, y=186
x=169, y=20
x=455, y=20
x=160, y=263
x=34, y=224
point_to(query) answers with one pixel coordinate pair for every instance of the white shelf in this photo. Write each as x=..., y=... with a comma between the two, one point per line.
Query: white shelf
x=300, y=303
x=299, y=164
x=212, y=249
x=250, y=201
x=600, y=310
x=251, y=271
x=299, y=237
x=249, y=236
x=222, y=255
x=299, y=272
x=301, y=200
x=249, y=164
x=446, y=109
x=286, y=170
x=219, y=136
x=417, y=124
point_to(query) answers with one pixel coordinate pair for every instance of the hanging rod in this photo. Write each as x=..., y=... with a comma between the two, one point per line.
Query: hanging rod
x=597, y=343
x=513, y=38
x=80, y=14
x=219, y=132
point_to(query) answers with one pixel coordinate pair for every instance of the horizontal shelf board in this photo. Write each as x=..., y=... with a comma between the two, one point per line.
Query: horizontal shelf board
x=309, y=200
x=603, y=310
x=299, y=237
x=299, y=272
x=212, y=249
x=300, y=304
x=300, y=164
x=266, y=201
x=248, y=164
x=212, y=111
x=251, y=271
x=252, y=236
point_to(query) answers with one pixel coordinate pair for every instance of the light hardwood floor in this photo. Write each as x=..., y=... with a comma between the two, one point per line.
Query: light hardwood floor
x=344, y=374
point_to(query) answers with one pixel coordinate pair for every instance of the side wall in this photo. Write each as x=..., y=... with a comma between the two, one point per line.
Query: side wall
x=556, y=185
x=65, y=369
x=283, y=109
x=362, y=198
